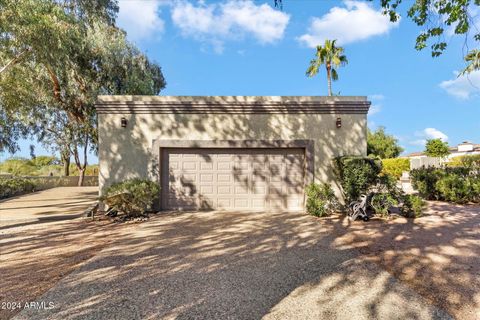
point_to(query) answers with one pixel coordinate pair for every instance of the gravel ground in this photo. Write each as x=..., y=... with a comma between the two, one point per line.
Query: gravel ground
x=437, y=255
x=34, y=257
x=233, y=266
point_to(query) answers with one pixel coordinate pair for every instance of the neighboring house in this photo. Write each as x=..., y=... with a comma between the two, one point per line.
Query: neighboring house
x=419, y=159
x=464, y=148
x=234, y=153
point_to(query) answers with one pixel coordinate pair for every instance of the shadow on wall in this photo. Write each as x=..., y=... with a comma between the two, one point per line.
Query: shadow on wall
x=126, y=152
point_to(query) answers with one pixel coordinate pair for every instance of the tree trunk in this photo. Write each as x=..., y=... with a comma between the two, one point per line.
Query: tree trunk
x=329, y=79
x=81, y=176
x=66, y=165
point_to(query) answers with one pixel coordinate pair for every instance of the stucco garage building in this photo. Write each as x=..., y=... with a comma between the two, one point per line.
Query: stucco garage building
x=235, y=153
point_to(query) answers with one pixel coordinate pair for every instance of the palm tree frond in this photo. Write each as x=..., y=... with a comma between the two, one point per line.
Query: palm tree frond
x=334, y=75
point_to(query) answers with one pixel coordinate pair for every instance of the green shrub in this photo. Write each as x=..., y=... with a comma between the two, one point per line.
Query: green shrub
x=132, y=197
x=455, y=188
x=381, y=203
x=475, y=183
x=395, y=167
x=321, y=200
x=413, y=206
x=10, y=187
x=458, y=184
x=357, y=175
x=424, y=180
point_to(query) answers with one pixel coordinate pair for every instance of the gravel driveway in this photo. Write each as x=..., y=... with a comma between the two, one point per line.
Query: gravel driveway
x=215, y=265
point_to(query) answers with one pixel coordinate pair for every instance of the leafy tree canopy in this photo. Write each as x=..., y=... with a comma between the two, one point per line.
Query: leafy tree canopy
x=382, y=145
x=56, y=57
x=436, y=148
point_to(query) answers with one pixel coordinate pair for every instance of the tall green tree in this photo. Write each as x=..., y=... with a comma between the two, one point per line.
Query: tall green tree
x=332, y=57
x=52, y=90
x=382, y=145
x=436, y=148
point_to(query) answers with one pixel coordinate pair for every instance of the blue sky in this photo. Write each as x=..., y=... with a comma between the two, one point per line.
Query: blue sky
x=250, y=48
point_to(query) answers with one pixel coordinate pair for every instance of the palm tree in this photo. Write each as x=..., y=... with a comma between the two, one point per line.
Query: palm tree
x=332, y=57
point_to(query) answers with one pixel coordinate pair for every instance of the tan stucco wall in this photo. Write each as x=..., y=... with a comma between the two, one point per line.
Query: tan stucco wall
x=127, y=152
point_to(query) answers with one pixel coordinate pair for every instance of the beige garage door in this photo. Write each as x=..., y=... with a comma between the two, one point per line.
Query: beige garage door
x=233, y=179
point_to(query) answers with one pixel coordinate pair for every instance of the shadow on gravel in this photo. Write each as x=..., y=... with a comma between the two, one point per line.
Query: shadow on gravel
x=212, y=265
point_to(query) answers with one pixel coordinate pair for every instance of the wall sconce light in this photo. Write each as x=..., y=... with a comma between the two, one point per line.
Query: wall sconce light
x=123, y=122
x=339, y=122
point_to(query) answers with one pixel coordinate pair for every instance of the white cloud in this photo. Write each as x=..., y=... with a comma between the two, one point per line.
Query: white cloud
x=432, y=133
x=377, y=104
x=419, y=142
x=357, y=21
x=377, y=97
x=463, y=87
x=374, y=108
x=216, y=23
x=140, y=19
x=428, y=133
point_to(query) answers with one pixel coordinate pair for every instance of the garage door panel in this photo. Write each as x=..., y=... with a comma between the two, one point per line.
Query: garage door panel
x=224, y=165
x=234, y=179
x=241, y=203
x=206, y=166
x=224, y=203
x=224, y=177
x=206, y=177
x=224, y=190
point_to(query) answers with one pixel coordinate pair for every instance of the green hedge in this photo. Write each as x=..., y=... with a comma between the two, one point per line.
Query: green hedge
x=357, y=175
x=395, y=166
x=10, y=187
x=454, y=184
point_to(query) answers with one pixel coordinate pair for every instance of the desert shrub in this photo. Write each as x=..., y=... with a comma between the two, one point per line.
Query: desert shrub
x=10, y=187
x=424, y=180
x=132, y=197
x=357, y=175
x=321, y=200
x=381, y=203
x=395, y=167
x=413, y=206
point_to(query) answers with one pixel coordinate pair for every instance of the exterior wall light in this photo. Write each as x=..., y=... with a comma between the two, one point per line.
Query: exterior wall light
x=123, y=122
x=339, y=122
